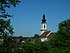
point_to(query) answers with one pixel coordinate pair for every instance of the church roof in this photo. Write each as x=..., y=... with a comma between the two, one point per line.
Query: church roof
x=45, y=34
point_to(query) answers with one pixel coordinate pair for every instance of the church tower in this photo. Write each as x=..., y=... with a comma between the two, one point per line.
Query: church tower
x=44, y=26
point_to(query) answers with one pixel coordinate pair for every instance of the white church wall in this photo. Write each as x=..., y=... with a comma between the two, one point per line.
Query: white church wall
x=43, y=39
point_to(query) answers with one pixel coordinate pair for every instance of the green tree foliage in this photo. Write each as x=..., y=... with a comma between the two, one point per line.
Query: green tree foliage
x=5, y=26
x=32, y=48
x=60, y=43
x=36, y=36
x=64, y=27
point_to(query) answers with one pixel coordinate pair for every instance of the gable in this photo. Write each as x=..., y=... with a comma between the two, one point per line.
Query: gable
x=45, y=34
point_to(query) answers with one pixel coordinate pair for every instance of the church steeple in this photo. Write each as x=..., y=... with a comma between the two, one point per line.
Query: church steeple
x=44, y=27
x=43, y=20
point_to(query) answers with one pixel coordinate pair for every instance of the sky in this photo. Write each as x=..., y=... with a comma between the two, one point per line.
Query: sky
x=28, y=14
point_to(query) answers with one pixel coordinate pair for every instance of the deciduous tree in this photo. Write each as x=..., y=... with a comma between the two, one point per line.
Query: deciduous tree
x=60, y=43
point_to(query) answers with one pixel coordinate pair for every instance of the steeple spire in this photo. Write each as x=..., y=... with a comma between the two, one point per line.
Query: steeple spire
x=43, y=20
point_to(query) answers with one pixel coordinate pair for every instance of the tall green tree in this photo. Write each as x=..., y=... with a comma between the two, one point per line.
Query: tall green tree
x=6, y=28
x=60, y=43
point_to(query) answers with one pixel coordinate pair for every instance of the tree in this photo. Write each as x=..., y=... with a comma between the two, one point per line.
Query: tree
x=6, y=28
x=36, y=36
x=5, y=24
x=60, y=43
x=37, y=39
x=64, y=27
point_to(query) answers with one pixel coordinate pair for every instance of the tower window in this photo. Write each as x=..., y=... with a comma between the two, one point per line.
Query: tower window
x=44, y=26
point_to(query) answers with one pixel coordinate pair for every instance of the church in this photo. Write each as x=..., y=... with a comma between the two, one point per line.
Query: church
x=45, y=35
x=44, y=32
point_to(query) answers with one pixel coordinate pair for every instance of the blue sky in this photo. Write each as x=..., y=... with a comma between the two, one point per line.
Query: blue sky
x=28, y=15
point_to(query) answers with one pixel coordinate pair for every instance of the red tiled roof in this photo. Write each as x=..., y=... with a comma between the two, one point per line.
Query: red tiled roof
x=44, y=34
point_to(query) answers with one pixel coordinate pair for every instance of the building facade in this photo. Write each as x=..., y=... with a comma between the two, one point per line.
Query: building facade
x=44, y=32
